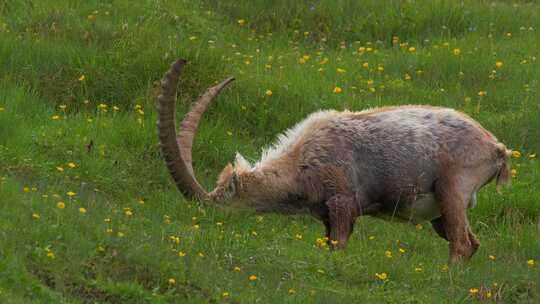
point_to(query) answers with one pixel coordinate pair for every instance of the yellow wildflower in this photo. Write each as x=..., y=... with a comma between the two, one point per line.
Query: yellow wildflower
x=61, y=205
x=55, y=117
x=241, y=22
x=499, y=64
x=482, y=93
x=82, y=210
x=337, y=90
x=456, y=52
x=473, y=291
x=388, y=253
x=531, y=262
x=492, y=257
x=516, y=154
x=171, y=281
x=531, y=155
x=72, y=165
x=365, y=65
x=36, y=216
x=292, y=291
x=381, y=276
x=82, y=77
x=237, y=269
x=268, y=93
x=71, y=193
x=513, y=172
x=181, y=254
x=225, y=294
x=412, y=49
x=252, y=277
x=340, y=70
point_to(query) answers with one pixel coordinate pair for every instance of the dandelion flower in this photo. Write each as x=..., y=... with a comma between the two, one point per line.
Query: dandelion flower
x=128, y=213
x=499, y=64
x=456, y=52
x=72, y=165
x=401, y=250
x=55, y=117
x=268, y=93
x=473, y=291
x=531, y=155
x=50, y=254
x=482, y=93
x=412, y=49
x=196, y=227
x=181, y=254
x=61, y=205
x=492, y=257
x=241, y=22
x=298, y=236
x=225, y=294
x=252, y=277
x=388, y=254
x=513, y=172
x=337, y=90
x=171, y=281
x=531, y=262
x=516, y=154
x=334, y=242
x=365, y=65
x=82, y=77
x=36, y=216
x=291, y=291
x=237, y=269
x=71, y=193
x=381, y=276
x=371, y=237
x=407, y=76
x=82, y=210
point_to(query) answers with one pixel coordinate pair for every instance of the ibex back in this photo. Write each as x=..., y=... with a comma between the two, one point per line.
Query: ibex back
x=418, y=163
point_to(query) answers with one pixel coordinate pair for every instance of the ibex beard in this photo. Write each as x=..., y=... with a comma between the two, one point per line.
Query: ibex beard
x=417, y=163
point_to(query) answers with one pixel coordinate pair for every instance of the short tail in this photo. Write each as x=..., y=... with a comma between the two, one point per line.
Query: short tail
x=503, y=173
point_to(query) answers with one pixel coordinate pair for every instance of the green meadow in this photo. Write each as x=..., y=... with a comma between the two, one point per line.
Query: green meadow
x=89, y=214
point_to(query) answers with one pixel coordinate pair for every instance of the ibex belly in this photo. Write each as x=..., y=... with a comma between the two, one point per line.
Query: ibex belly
x=424, y=208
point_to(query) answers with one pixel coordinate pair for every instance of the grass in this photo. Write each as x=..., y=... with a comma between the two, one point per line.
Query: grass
x=77, y=93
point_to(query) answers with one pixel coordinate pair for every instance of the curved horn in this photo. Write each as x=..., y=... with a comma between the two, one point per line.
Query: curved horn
x=177, y=151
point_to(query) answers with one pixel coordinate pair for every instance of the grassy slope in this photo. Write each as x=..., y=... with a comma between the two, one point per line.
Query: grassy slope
x=122, y=48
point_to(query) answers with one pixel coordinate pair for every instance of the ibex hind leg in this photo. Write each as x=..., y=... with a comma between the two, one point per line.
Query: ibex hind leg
x=453, y=224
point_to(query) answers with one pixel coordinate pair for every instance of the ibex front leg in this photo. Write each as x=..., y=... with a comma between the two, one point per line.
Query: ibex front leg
x=342, y=213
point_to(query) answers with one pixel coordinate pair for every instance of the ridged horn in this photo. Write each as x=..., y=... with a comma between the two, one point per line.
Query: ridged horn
x=176, y=150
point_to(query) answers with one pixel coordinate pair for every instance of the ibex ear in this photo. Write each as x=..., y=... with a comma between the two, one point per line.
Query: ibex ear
x=241, y=164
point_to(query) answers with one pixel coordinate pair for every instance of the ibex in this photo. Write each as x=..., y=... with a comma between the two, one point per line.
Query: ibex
x=418, y=163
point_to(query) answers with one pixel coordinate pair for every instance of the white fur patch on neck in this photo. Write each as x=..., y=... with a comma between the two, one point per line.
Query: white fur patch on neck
x=286, y=141
x=241, y=164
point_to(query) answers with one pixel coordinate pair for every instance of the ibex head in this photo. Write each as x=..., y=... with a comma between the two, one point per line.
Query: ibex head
x=233, y=182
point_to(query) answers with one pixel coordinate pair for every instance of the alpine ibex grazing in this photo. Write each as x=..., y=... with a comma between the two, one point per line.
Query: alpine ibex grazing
x=413, y=162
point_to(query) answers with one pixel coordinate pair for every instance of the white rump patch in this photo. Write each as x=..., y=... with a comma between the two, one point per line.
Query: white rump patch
x=286, y=141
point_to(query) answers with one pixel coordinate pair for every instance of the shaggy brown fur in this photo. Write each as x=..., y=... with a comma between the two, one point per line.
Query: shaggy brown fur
x=418, y=163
